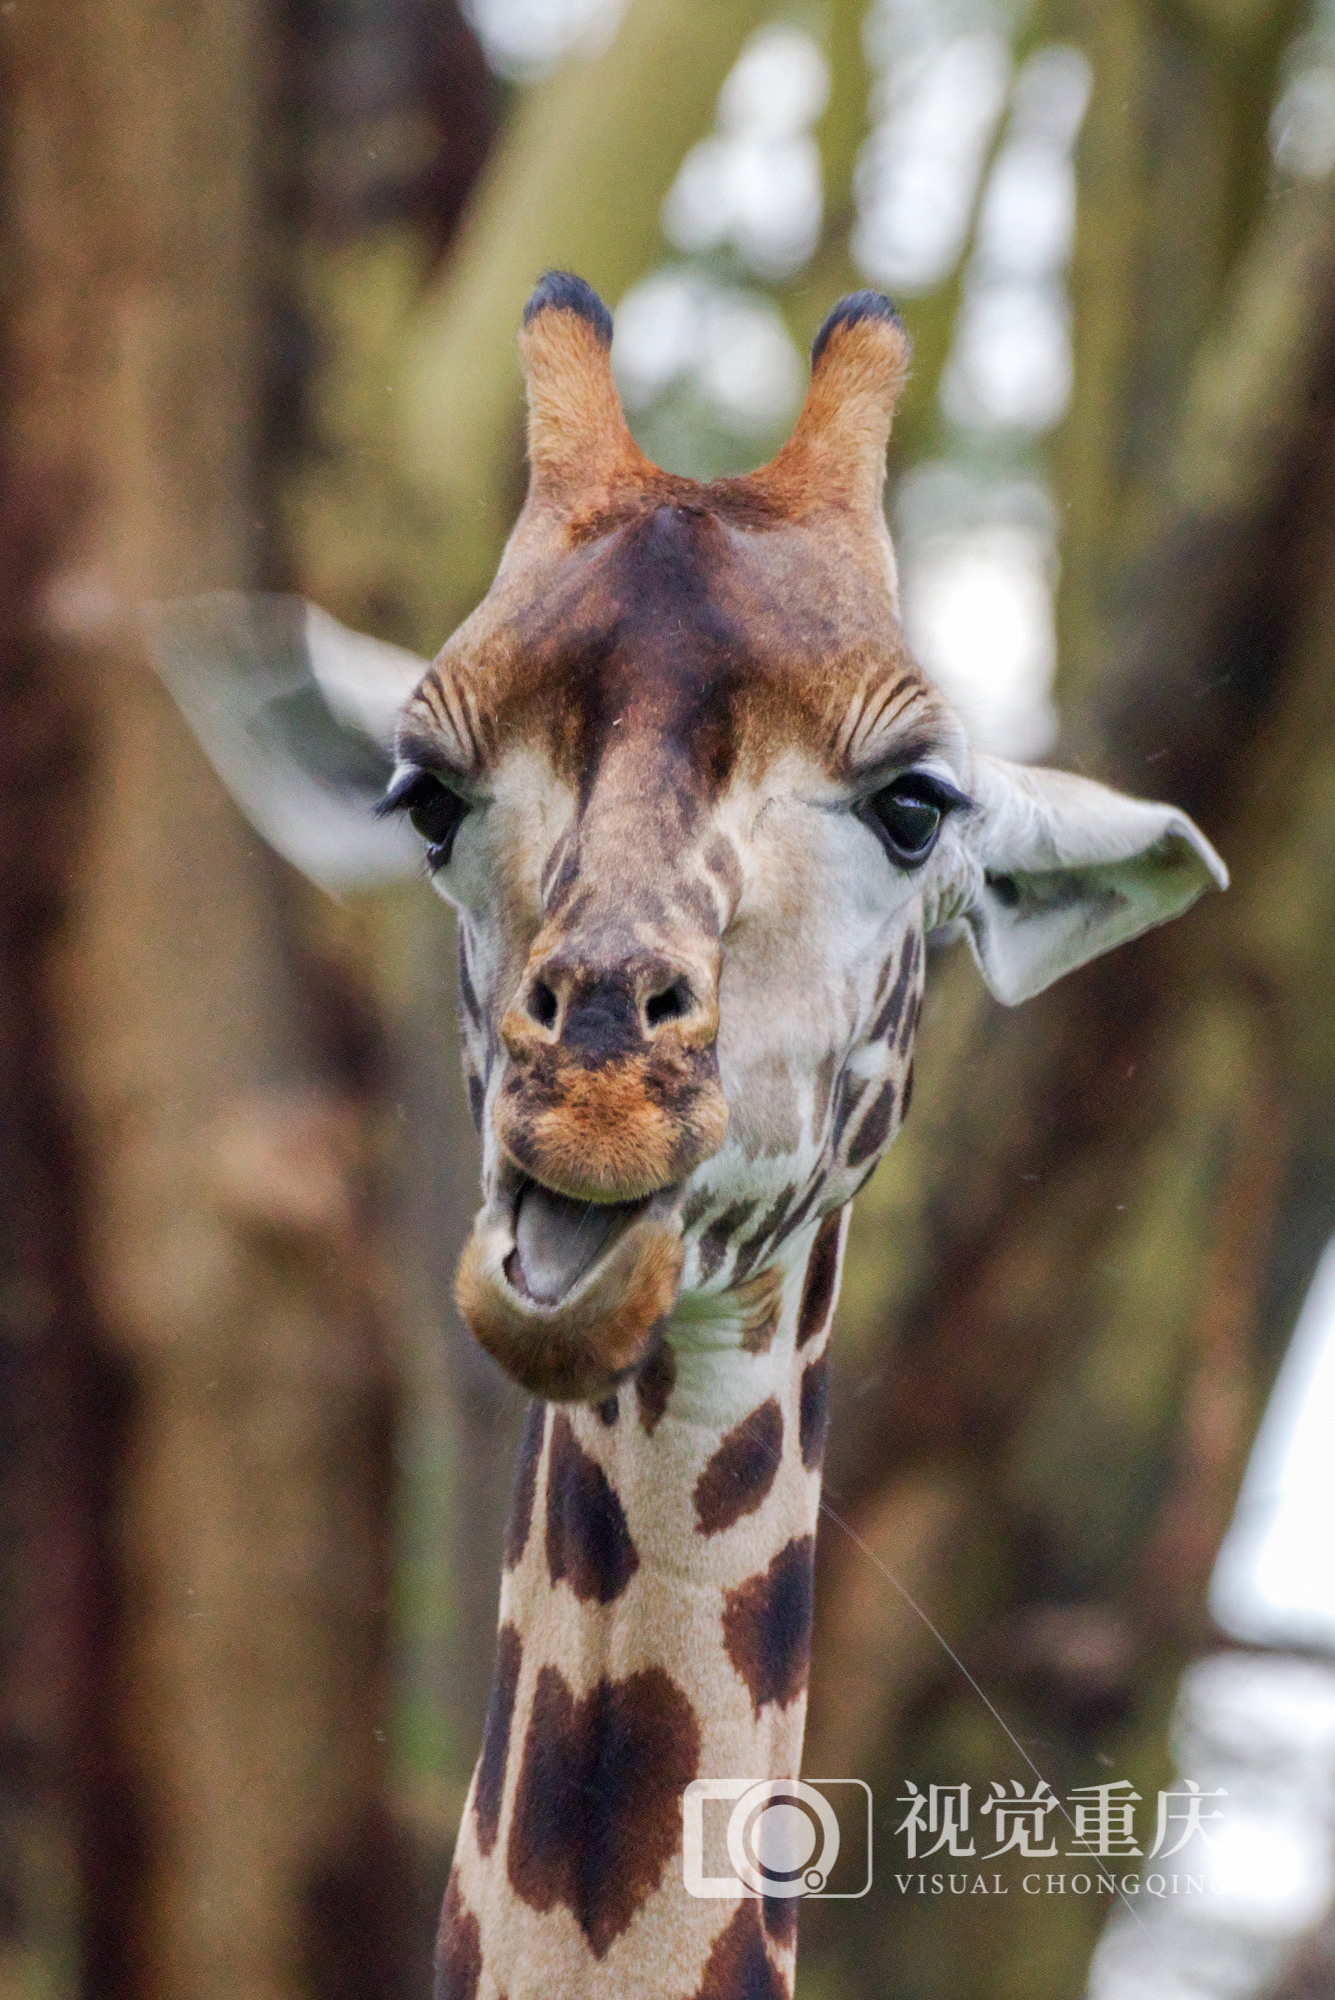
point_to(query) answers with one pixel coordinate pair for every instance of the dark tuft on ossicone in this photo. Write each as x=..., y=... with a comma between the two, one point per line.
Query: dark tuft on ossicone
x=567, y=293
x=853, y=307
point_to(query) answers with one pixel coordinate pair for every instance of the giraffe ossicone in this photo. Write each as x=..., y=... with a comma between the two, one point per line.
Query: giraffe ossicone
x=697, y=808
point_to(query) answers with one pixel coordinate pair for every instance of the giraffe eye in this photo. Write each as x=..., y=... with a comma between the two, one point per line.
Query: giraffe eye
x=908, y=815
x=436, y=812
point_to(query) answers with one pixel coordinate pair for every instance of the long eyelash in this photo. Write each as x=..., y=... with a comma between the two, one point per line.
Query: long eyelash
x=941, y=793
x=939, y=790
x=409, y=789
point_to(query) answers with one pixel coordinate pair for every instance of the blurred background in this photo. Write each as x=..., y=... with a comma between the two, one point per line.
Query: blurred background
x=263, y=263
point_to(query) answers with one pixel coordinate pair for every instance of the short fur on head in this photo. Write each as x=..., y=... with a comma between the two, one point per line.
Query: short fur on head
x=697, y=806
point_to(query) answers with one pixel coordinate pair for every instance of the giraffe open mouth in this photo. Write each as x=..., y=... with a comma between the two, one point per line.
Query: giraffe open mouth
x=558, y=1241
x=570, y=1297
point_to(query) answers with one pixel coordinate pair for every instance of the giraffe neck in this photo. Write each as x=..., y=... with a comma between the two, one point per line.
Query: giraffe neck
x=654, y=1629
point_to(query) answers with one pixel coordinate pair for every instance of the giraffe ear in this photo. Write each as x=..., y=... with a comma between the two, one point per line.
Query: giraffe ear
x=296, y=714
x=1070, y=869
x=579, y=446
x=836, y=454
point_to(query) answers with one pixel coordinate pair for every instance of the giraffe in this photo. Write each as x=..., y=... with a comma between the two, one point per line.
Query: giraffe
x=696, y=807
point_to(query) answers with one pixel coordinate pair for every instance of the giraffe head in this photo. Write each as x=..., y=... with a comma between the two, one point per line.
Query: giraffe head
x=697, y=807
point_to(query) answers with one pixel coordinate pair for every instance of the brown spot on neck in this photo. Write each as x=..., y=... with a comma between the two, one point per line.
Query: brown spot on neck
x=588, y=1542
x=767, y=1625
x=458, y=1949
x=738, y=1477
x=526, y=1476
x=491, y=1767
x=597, y=1815
x=781, y=1919
x=739, y=1967
x=815, y=1417
x=750, y=1248
x=654, y=1384
x=873, y=1134
x=818, y=1287
x=715, y=1241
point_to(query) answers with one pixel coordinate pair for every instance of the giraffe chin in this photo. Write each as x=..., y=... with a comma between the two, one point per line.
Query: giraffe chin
x=574, y=1341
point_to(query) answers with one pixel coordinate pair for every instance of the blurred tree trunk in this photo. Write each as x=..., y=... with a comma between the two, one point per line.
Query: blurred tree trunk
x=61, y=1405
x=1070, y=1286
x=217, y=1081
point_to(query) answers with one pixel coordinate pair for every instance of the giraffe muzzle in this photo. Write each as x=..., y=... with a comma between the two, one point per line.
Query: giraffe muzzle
x=612, y=1090
x=611, y=1099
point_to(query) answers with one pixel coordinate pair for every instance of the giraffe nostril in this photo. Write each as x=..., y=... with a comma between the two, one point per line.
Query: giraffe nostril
x=671, y=1005
x=542, y=1004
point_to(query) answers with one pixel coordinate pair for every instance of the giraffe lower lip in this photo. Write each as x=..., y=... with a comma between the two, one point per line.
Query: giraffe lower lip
x=557, y=1240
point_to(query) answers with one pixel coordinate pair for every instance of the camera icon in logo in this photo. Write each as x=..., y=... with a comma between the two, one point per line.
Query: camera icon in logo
x=782, y=1836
